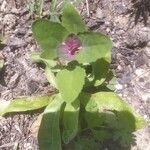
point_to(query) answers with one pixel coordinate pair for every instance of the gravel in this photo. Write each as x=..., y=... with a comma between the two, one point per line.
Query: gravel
x=21, y=77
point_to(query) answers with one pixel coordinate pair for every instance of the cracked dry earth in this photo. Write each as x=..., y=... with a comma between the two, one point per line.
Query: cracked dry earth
x=21, y=77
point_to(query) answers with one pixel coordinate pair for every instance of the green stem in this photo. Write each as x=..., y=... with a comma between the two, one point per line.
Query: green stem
x=40, y=7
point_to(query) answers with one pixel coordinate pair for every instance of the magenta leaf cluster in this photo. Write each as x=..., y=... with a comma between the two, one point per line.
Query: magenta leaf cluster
x=70, y=47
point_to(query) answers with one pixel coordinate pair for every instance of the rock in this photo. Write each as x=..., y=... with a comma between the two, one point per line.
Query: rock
x=146, y=96
x=99, y=13
x=137, y=37
x=16, y=42
x=147, y=51
x=119, y=87
x=21, y=31
x=10, y=20
x=141, y=59
x=3, y=6
x=139, y=72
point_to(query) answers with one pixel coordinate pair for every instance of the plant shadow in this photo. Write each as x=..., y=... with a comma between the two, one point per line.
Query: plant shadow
x=113, y=129
x=140, y=10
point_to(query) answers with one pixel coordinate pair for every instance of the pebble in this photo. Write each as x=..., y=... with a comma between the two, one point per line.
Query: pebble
x=147, y=51
x=148, y=44
x=146, y=97
x=21, y=31
x=139, y=72
x=119, y=86
x=9, y=19
x=13, y=80
x=119, y=68
x=3, y=6
x=14, y=11
x=28, y=146
x=99, y=13
x=16, y=42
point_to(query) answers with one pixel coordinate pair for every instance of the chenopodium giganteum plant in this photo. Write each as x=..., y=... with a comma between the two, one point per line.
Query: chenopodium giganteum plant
x=84, y=108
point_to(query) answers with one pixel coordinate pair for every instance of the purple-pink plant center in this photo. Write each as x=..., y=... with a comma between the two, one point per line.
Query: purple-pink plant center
x=70, y=46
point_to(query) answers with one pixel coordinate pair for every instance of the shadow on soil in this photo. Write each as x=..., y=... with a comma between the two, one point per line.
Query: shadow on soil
x=140, y=10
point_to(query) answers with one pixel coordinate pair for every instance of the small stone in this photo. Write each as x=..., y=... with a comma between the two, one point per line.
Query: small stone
x=16, y=42
x=147, y=85
x=21, y=31
x=108, y=30
x=9, y=19
x=148, y=44
x=141, y=79
x=119, y=87
x=146, y=29
x=14, y=11
x=145, y=117
x=28, y=146
x=139, y=72
x=146, y=97
x=13, y=80
x=3, y=6
x=119, y=67
x=147, y=51
x=99, y=13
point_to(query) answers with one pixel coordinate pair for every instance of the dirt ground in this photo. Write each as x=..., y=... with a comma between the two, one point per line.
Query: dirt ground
x=127, y=22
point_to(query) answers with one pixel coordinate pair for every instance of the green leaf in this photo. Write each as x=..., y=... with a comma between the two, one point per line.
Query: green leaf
x=48, y=35
x=104, y=106
x=111, y=80
x=36, y=57
x=92, y=115
x=71, y=20
x=102, y=134
x=50, y=77
x=100, y=70
x=86, y=144
x=49, y=137
x=111, y=101
x=70, y=121
x=125, y=138
x=23, y=104
x=94, y=46
x=70, y=83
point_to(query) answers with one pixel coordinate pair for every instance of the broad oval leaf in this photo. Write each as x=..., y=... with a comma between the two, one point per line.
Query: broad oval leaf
x=36, y=57
x=100, y=69
x=94, y=46
x=70, y=83
x=104, y=107
x=49, y=137
x=70, y=121
x=71, y=20
x=102, y=134
x=48, y=35
x=111, y=101
x=23, y=104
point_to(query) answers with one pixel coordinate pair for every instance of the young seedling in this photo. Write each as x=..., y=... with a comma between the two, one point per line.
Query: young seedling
x=84, y=108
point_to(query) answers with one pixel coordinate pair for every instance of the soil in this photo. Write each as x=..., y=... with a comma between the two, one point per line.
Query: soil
x=127, y=22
